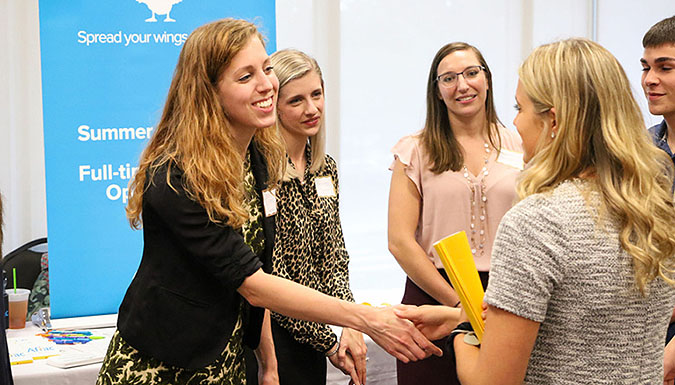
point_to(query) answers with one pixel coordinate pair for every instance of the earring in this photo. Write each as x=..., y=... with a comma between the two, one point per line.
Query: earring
x=552, y=135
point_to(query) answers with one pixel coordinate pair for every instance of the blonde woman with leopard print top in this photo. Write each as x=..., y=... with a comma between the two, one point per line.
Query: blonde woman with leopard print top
x=309, y=245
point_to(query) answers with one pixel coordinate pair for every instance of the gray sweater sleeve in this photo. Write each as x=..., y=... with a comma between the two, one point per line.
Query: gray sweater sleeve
x=527, y=259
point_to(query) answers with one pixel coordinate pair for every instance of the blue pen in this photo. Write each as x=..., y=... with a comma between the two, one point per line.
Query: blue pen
x=70, y=338
x=69, y=342
x=77, y=339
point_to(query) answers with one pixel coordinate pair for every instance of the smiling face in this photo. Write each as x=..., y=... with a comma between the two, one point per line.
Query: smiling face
x=466, y=98
x=658, y=79
x=528, y=122
x=300, y=106
x=247, y=89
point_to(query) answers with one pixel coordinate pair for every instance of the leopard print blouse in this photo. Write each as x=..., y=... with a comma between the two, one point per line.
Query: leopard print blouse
x=309, y=247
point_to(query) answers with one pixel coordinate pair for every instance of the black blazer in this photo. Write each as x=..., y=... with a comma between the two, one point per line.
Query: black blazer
x=182, y=304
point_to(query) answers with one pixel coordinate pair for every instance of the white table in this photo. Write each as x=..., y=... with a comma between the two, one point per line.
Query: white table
x=39, y=373
x=381, y=367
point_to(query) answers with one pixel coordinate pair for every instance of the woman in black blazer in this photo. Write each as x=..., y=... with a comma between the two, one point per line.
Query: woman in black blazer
x=202, y=195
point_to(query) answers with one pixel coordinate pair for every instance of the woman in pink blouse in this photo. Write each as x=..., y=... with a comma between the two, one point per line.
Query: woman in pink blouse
x=457, y=173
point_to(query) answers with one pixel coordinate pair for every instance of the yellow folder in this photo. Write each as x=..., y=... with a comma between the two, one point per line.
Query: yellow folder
x=455, y=253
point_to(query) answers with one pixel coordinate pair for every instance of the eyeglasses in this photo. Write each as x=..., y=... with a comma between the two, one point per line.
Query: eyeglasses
x=449, y=79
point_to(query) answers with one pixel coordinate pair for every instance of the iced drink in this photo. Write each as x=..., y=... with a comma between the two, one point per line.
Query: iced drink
x=18, y=306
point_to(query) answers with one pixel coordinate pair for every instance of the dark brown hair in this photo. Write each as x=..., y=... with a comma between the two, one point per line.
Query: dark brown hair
x=660, y=33
x=437, y=138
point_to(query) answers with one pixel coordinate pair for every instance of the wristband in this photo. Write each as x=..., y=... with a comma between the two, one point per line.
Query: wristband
x=457, y=304
x=469, y=335
x=464, y=326
x=334, y=351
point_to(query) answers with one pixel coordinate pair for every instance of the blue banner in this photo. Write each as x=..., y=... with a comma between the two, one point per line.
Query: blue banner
x=106, y=70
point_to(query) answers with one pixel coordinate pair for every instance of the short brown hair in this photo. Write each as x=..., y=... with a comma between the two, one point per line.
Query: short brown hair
x=660, y=33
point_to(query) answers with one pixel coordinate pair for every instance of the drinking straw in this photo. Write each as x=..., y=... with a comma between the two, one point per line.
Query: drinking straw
x=14, y=276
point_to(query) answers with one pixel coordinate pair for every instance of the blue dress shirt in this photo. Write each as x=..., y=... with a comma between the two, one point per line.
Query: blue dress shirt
x=659, y=134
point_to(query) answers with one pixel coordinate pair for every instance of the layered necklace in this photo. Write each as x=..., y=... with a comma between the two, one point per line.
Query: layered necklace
x=478, y=226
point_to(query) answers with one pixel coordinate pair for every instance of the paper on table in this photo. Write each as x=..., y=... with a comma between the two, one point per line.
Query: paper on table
x=25, y=350
x=455, y=254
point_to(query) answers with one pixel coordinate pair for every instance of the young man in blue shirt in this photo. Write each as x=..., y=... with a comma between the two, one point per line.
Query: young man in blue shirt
x=658, y=81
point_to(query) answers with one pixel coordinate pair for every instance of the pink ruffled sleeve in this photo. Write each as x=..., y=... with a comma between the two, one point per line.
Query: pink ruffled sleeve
x=407, y=151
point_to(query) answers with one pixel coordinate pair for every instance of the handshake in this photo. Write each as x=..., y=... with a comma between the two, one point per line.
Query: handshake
x=404, y=331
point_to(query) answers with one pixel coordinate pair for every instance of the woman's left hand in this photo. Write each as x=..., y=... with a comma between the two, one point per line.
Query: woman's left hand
x=351, y=342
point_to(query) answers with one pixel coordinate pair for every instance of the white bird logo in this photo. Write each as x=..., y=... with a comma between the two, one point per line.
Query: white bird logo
x=159, y=7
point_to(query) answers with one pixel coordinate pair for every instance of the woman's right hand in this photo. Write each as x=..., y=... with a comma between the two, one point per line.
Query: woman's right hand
x=434, y=321
x=398, y=336
x=347, y=367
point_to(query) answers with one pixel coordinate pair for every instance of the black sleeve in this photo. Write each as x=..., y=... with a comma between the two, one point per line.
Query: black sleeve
x=218, y=247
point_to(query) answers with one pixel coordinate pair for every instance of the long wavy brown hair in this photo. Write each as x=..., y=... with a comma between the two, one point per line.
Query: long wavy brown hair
x=194, y=133
x=443, y=149
x=601, y=133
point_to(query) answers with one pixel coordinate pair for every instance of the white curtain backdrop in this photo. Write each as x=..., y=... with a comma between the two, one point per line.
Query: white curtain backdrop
x=22, y=175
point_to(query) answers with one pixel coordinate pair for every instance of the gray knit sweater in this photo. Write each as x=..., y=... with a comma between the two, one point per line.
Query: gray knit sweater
x=554, y=263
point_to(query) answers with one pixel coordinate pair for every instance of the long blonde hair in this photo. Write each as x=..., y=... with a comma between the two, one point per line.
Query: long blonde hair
x=600, y=131
x=194, y=133
x=291, y=64
x=438, y=140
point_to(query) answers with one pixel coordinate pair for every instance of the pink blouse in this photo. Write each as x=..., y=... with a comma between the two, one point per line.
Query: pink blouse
x=446, y=198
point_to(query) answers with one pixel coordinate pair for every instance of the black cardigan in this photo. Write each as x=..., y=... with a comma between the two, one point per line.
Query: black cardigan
x=182, y=304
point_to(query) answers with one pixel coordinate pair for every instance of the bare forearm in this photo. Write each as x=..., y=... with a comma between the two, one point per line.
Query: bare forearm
x=265, y=352
x=422, y=271
x=398, y=337
x=294, y=300
x=467, y=359
x=504, y=353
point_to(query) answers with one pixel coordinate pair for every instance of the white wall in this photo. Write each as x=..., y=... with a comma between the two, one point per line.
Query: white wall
x=375, y=55
x=22, y=179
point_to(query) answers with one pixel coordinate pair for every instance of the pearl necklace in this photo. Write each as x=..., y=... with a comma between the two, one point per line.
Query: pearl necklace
x=481, y=204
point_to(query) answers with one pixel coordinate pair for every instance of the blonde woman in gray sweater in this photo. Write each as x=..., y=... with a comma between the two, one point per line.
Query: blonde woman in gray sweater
x=581, y=286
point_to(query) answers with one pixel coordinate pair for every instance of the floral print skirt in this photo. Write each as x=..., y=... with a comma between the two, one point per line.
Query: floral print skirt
x=125, y=365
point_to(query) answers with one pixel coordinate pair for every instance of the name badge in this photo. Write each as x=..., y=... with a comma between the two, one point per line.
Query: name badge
x=324, y=186
x=511, y=158
x=270, y=202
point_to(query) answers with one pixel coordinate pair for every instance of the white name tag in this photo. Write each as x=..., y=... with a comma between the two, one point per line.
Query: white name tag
x=270, y=202
x=324, y=186
x=511, y=158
